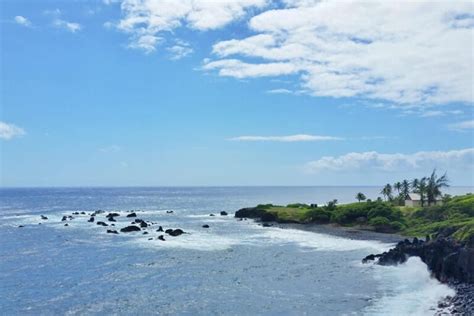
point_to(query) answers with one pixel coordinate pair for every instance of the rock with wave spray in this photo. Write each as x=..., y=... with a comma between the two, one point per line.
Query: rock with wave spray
x=447, y=259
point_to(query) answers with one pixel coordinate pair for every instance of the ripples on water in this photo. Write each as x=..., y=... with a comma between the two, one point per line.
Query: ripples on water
x=234, y=267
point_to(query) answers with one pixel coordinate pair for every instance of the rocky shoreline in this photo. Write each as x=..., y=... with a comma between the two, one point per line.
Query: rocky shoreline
x=449, y=261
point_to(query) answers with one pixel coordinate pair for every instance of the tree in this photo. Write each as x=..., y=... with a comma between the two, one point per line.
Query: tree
x=414, y=184
x=397, y=186
x=434, y=185
x=331, y=205
x=405, y=189
x=387, y=191
x=360, y=197
x=421, y=189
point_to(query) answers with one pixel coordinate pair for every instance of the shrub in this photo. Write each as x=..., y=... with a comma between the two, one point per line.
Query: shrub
x=319, y=216
x=379, y=221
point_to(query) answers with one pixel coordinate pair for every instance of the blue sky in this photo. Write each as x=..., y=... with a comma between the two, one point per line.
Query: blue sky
x=234, y=93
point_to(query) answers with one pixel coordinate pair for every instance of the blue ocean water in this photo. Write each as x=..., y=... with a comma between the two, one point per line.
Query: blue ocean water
x=232, y=268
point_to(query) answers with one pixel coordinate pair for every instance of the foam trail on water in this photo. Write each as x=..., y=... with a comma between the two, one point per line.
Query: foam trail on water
x=321, y=242
x=408, y=289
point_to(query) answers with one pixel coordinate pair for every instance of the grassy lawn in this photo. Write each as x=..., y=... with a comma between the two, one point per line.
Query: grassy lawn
x=293, y=214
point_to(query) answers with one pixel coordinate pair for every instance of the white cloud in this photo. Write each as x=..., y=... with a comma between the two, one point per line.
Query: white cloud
x=9, y=131
x=416, y=53
x=461, y=126
x=364, y=161
x=238, y=69
x=280, y=91
x=21, y=20
x=180, y=50
x=70, y=26
x=289, y=138
x=110, y=149
x=146, y=20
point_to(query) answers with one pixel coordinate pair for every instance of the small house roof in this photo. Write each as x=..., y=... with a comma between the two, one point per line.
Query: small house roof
x=414, y=197
x=417, y=197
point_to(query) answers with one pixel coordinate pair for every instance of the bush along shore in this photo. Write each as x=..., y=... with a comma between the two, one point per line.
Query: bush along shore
x=442, y=227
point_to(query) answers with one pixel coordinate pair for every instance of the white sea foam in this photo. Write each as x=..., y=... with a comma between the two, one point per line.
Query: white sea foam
x=408, y=290
x=321, y=242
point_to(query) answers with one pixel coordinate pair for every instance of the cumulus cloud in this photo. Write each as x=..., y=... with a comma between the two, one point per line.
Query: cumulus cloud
x=9, y=131
x=21, y=20
x=69, y=26
x=412, y=53
x=146, y=20
x=462, y=126
x=289, y=138
x=354, y=161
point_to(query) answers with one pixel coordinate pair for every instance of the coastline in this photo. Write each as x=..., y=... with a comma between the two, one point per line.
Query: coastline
x=342, y=231
x=462, y=303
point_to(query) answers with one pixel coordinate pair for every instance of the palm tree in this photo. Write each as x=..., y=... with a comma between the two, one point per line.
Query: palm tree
x=414, y=184
x=360, y=197
x=434, y=185
x=405, y=189
x=421, y=189
x=397, y=186
x=387, y=191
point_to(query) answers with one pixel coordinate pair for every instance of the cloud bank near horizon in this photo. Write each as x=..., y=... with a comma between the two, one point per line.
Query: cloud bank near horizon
x=462, y=159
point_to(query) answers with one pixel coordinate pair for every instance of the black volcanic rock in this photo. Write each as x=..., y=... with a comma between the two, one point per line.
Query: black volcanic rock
x=91, y=220
x=224, y=213
x=132, y=215
x=112, y=231
x=44, y=217
x=161, y=237
x=250, y=212
x=446, y=258
x=160, y=229
x=205, y=226
x=102, y=224
x=174, y=232
x=130, y=229
x=268, y=217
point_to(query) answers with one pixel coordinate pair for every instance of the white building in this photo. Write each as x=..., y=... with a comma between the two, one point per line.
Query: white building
x=414, y=199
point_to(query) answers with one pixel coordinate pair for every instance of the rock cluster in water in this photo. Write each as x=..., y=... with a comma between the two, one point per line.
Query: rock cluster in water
x=138, y=225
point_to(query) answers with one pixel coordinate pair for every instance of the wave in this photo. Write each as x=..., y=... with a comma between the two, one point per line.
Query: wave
x=408, y=289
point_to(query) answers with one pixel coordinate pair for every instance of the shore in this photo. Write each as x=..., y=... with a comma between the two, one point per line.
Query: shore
x=341, y=231
x=460, y=304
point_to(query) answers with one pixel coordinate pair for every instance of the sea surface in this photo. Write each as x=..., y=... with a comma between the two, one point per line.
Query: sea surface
x=231, y=268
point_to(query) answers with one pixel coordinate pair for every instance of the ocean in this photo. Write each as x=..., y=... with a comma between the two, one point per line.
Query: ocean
x=231, y=268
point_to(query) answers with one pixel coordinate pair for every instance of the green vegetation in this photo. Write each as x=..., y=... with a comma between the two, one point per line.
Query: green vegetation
x=455, y=217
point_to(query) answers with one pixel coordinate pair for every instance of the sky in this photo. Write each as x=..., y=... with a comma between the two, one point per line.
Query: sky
x=242, y=92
